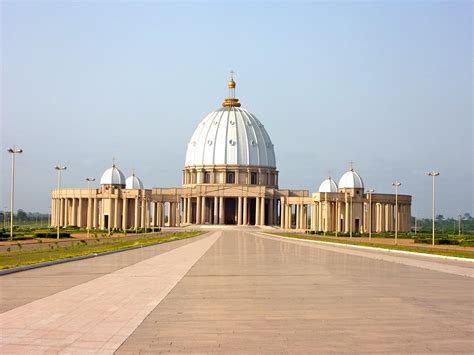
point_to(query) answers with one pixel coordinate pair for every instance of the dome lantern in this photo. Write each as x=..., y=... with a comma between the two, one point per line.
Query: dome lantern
x=113, y=176
x=328, y=185
x=133, y=182
x=351, y=180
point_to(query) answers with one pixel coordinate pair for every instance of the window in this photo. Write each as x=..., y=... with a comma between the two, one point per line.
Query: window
x=253, y=178
x=230, y=178
x=207, y=178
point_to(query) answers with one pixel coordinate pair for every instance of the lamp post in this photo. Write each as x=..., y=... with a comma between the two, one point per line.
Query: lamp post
x=89, y=180
x=433, y=174
x=13, y=151
x=459, y=232
x=397, y=185
x=370, y=212
x=59, y=168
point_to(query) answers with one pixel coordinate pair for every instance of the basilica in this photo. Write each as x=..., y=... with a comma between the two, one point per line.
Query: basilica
x=230, y=177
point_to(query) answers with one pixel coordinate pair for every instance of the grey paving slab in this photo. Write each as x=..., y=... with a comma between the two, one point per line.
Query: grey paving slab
x=262, y=295
x=24, y=287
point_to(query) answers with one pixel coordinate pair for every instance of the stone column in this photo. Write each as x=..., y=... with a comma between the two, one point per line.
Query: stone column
x=244, y=217
x=262, y=214
x=257, y=211
x=142, y=214
x=203, y=210
x=297, y=216
x=346, y=218
x=116, y=213
x=270, y=212
x=81, y=212
x=89, y=213
x=185, y=210
x=74, y=212
x=189, y=210
x=282, y=214
x=94, y=213
x=289, y=216
x=239, y=211
x=216, y=210
x=198, y=210
x=124, y=213
x=221, y=210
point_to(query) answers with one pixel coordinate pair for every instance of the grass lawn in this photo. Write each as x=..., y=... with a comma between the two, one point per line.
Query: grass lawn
x=9, y=259
x=416, y=249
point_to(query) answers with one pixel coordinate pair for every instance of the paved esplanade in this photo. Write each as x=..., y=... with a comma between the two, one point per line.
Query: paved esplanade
x=236, y=290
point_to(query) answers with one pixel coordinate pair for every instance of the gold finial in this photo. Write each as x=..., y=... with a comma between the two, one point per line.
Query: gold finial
x=231, y=84
x=231, y=101
x=133, y=172
x=113, y=162
x=351, y=168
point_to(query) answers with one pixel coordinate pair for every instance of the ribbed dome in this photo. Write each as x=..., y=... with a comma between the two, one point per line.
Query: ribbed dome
x=133, y=182
x=112, y=176
x=230, y=136
x=351, y=180
x=328, y=185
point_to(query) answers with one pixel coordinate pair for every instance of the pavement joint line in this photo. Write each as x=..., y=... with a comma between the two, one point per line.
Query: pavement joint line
x=78, y=258
x=412, y=253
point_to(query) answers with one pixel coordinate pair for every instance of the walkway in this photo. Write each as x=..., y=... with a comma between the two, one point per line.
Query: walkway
x=239, y=291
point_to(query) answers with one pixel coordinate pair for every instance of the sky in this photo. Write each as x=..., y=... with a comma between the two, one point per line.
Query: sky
x=385, y=84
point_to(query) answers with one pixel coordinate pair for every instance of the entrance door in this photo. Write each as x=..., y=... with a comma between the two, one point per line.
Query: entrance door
x=230, y=211
x=357, y=225
x=251, y=211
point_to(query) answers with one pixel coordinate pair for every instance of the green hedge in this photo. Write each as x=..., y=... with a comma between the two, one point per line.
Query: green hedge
x=45, y=234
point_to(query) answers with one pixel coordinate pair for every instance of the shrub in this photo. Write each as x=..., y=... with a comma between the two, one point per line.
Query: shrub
x=46, y=234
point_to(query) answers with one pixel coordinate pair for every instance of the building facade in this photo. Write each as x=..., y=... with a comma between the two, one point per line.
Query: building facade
x=230, y=177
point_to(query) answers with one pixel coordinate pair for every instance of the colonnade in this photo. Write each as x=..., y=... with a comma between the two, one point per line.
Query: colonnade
x=96, y=213
x=244, y=210
x=337, y=216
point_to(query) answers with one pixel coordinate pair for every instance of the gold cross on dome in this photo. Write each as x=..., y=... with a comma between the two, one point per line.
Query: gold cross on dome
x=351, y=163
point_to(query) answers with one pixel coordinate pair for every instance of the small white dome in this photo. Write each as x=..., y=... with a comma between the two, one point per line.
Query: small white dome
x=328, y=185
x=351, y=180
x=133, y=182
x=112, y=176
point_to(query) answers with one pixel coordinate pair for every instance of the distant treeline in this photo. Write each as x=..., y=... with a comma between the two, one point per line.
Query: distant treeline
x=22, y=216
x=448, y=225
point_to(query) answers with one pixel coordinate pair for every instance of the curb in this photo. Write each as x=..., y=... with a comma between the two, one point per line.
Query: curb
x=76, y=258
x=412, y=253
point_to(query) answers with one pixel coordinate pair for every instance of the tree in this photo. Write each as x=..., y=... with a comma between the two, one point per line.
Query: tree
x=439, y=217
x=21, y=215
x=467, y=216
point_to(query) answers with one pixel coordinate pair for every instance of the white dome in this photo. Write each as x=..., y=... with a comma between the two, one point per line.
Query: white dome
x=230, y=136
x=351, y=180
x=328, y=185
x=133, y=182
x=112, y=176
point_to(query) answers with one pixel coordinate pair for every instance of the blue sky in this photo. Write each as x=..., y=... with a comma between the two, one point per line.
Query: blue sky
x=385, y=84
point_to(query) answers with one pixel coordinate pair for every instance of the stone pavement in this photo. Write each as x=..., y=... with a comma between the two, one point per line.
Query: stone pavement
x=239, y=291
x=97, y=316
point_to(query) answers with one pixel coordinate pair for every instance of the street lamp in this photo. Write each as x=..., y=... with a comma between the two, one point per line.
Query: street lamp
x=89, y=180
x=59, y=168
x=433, y=174
x=370, y=212
x=459, y=225
x=13, y=151
x=397, y=185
